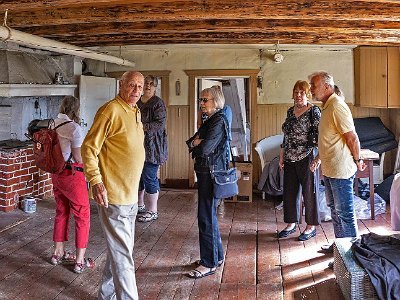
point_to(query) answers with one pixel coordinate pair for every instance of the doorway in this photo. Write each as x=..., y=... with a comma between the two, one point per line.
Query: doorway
x=240, y=91
x=236, y=95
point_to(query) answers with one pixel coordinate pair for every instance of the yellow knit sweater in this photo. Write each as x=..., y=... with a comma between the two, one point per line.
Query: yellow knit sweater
x=113, y=151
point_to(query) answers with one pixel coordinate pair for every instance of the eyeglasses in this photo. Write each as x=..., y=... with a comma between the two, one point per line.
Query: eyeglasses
x=204, y=100
x=148, y=83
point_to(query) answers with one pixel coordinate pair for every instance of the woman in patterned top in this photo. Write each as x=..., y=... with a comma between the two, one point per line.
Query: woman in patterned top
x=300, y=131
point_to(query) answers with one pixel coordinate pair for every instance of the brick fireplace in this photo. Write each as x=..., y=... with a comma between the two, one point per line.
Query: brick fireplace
x=28, y=91
x=20, y=177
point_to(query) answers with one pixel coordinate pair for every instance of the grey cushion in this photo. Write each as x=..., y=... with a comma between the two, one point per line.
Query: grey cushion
x=374, y=135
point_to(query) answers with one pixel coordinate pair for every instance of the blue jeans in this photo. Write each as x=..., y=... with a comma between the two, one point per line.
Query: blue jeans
x=211, y=250
x=148, y=179
x=340, y=199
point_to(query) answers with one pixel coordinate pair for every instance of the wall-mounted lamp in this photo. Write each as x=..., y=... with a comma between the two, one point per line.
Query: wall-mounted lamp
x=259, y=82
x=177, y=87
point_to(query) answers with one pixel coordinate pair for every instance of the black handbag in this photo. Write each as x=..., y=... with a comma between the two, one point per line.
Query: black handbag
x=225, y=181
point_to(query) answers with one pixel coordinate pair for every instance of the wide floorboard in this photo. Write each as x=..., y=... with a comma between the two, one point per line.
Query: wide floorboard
x=257, y=265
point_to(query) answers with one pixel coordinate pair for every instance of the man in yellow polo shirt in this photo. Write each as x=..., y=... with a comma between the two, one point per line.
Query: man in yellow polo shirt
x=113, y=155
x=339, y=154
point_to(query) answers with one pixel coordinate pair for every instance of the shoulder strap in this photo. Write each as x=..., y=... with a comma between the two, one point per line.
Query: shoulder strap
x=224, y=118
x=63, y=123
x=58, y=126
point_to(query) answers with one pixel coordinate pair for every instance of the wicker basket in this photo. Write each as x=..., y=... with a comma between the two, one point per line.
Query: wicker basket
x=351, y=277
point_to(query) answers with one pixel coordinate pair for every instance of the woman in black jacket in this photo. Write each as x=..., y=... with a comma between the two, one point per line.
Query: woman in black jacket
x=209, y=147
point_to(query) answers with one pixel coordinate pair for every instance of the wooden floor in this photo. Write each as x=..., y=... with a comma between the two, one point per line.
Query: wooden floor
x=257, y=265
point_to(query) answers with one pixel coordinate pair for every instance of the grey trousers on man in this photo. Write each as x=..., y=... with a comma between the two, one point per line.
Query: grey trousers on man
x=119, y=281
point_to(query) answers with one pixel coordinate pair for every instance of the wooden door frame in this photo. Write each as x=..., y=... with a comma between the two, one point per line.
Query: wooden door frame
x=247, y=73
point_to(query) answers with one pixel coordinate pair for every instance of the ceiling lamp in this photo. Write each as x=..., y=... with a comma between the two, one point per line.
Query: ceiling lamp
x=278, y=57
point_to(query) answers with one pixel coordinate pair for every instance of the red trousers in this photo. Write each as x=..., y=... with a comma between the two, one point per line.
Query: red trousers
x=71, y=195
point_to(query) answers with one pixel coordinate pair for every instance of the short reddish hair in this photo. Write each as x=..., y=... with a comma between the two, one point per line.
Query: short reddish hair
x=303, y=86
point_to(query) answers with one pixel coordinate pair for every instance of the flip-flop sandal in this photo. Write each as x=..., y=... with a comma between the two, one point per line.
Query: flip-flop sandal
x=196, y=274
x=198, y=262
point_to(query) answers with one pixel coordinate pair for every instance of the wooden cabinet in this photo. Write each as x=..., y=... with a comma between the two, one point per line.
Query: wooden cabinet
x=377, y=76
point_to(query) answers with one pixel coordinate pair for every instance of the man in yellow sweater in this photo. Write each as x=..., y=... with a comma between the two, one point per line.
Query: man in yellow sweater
x=113, y=155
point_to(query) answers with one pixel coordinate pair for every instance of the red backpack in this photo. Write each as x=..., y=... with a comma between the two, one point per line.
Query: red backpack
x=47, y=149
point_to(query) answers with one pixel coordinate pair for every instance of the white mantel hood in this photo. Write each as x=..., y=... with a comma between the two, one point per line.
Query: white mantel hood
x=20, y=90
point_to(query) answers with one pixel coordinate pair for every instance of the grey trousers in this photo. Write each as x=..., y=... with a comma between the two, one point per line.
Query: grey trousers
x=119, y=281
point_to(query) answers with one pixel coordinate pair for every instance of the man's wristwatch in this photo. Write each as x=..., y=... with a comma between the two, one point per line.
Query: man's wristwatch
x=357, y=160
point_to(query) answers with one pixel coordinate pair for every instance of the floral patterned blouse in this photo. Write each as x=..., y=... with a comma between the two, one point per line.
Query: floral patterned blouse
x=300, y=133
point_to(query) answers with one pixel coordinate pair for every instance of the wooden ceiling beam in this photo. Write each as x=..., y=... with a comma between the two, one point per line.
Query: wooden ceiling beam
x=118, y=22
x=299, y=37
x=202, y=10
x=27, y=5
x=213, y=26
x=23, y=5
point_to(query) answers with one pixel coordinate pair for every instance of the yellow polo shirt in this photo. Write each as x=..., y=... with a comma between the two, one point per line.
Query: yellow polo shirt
x=113, y=151
x=336, y=158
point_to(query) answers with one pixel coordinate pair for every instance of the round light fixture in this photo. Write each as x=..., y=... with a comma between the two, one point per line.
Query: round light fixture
x=278, y=58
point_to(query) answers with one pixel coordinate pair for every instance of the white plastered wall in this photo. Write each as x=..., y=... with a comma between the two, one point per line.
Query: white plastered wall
x=277, y=79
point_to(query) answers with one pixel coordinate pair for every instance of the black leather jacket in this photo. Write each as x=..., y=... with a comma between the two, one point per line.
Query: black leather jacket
x=213, y=151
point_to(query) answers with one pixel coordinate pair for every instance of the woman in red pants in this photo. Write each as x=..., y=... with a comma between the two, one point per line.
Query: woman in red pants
x=70, y=191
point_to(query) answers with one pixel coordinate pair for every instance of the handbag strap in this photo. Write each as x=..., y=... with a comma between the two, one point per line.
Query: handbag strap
x=230, y=155
x=227, y=134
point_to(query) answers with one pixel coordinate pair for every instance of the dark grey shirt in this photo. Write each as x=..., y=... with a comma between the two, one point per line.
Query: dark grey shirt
x=154, y=118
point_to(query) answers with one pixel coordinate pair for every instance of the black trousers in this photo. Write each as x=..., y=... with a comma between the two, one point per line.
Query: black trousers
x=298, y=174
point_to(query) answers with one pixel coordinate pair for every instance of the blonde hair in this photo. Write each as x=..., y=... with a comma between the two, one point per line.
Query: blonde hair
x=216, y=93
x=70, y=106
x=303, y=86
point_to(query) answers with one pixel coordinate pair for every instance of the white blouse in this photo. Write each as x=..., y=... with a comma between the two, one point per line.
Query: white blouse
x=70, y=135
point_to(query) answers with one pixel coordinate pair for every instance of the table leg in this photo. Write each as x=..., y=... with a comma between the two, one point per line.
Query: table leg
x=371, y=188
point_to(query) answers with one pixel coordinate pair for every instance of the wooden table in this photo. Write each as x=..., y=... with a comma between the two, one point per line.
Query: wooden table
x=368, y=157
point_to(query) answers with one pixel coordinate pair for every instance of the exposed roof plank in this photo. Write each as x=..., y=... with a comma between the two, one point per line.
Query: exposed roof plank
x=117, y=22
x=272, y=37
x=218, y=9
x=388, y=27
x=23, y=5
